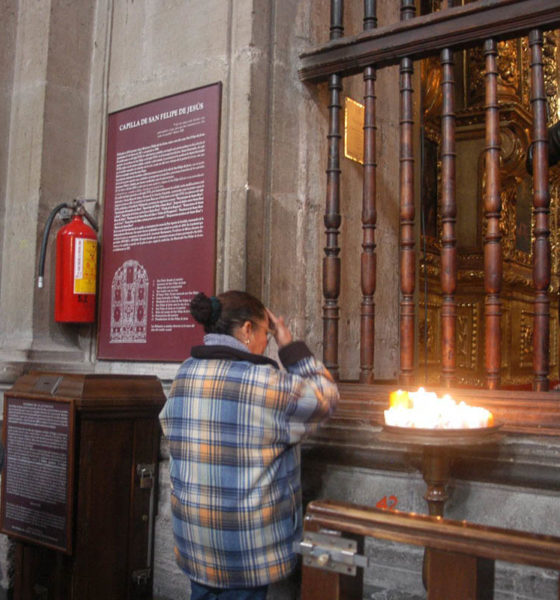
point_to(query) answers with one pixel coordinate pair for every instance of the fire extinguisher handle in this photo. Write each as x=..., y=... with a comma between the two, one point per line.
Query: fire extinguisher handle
x=79, y=209
x=41, y=270
x=91, y=220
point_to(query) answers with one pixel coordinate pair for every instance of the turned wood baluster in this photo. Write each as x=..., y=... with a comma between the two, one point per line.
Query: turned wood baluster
x=492, y=208
x=331, y=261
x=369, y=215
x=448, y=218
x=541, y=201
x=408, y=256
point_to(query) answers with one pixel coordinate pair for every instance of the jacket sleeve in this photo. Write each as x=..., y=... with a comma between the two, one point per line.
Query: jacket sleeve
x=314, y=392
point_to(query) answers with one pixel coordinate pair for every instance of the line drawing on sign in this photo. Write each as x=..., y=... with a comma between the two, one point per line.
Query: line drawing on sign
x=129, y=304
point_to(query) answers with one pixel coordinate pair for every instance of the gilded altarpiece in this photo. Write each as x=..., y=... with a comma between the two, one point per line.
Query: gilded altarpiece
x=516, y=216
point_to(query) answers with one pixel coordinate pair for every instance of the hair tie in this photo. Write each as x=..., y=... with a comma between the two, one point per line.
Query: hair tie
x=216, y=309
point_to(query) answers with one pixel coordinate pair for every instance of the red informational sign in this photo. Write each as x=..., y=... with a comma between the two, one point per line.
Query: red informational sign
x=159, y=225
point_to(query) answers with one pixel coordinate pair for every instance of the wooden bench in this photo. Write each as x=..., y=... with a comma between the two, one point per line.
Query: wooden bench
x=460, y=556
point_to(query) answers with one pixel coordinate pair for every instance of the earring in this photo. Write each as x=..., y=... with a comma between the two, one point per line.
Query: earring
x=247, y=342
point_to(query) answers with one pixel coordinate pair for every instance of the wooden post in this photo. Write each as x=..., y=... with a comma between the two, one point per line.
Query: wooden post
x=459, y=576
x=407, y=249
x=436, y=464
x=541, y=202
x=320, y=584
x=492, y=208
x=369, y=216
x=331, y=261
x=448, y=217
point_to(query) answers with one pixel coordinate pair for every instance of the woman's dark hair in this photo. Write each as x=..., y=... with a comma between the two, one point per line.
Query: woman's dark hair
x=222, y=314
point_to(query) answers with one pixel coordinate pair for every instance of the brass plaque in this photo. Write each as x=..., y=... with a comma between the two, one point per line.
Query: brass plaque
x=354, y=130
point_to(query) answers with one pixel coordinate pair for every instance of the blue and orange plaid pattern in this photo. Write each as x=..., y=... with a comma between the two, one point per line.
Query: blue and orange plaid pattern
x=233, y=427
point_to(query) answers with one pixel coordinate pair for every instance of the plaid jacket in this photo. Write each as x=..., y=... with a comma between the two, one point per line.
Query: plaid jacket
x=233, y=421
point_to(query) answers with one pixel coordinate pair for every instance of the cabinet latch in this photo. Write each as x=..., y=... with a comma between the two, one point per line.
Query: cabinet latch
x=146, y=474
x=331, y=552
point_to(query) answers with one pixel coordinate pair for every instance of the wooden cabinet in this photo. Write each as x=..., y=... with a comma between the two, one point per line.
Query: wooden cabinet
x=112, y=465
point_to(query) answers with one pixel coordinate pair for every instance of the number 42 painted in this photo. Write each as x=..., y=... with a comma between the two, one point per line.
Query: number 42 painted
x=388, y=502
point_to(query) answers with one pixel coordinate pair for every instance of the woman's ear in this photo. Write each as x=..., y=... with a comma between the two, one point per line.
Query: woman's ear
x=246, y=331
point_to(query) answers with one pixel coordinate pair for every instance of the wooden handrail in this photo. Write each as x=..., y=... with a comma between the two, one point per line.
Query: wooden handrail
x=426, y=35
x=435, y=532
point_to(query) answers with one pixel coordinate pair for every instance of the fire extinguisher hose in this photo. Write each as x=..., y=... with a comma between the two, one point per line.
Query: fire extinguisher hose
x=53, y=214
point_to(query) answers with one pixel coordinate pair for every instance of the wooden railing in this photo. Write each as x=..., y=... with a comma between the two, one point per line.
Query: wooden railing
x=481, y=23
x=460, y=559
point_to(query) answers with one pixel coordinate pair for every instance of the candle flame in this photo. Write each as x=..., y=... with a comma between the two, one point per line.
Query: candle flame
x=425, y=410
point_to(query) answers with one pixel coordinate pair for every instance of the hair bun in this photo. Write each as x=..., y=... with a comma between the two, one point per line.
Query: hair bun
x=216, y=309
x=224, y=313
x=201, y=309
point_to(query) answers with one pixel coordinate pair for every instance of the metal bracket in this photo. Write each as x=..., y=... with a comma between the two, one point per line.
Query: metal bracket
x=141, y=577
x=146, y=474
x=65, y=214
x=331, y=552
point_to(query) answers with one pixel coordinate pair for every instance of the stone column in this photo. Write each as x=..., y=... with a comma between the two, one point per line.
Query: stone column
x=24, y=132
x=47, y=130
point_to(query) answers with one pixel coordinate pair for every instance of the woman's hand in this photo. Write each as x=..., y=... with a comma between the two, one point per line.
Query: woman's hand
x=279, y=330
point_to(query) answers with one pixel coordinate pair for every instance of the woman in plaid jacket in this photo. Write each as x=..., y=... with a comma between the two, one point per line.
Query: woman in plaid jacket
x=234, y=420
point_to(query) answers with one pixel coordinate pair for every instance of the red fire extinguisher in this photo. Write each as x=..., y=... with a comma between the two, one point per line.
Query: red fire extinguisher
x=76, y=265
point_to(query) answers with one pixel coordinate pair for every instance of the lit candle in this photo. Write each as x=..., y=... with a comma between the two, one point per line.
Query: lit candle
x=426, y=410
x=399, y=399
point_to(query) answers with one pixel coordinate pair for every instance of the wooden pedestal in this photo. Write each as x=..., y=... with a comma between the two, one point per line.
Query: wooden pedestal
x=102, y=545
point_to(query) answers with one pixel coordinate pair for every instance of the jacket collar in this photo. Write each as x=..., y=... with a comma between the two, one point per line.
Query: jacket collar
x=228, y=353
